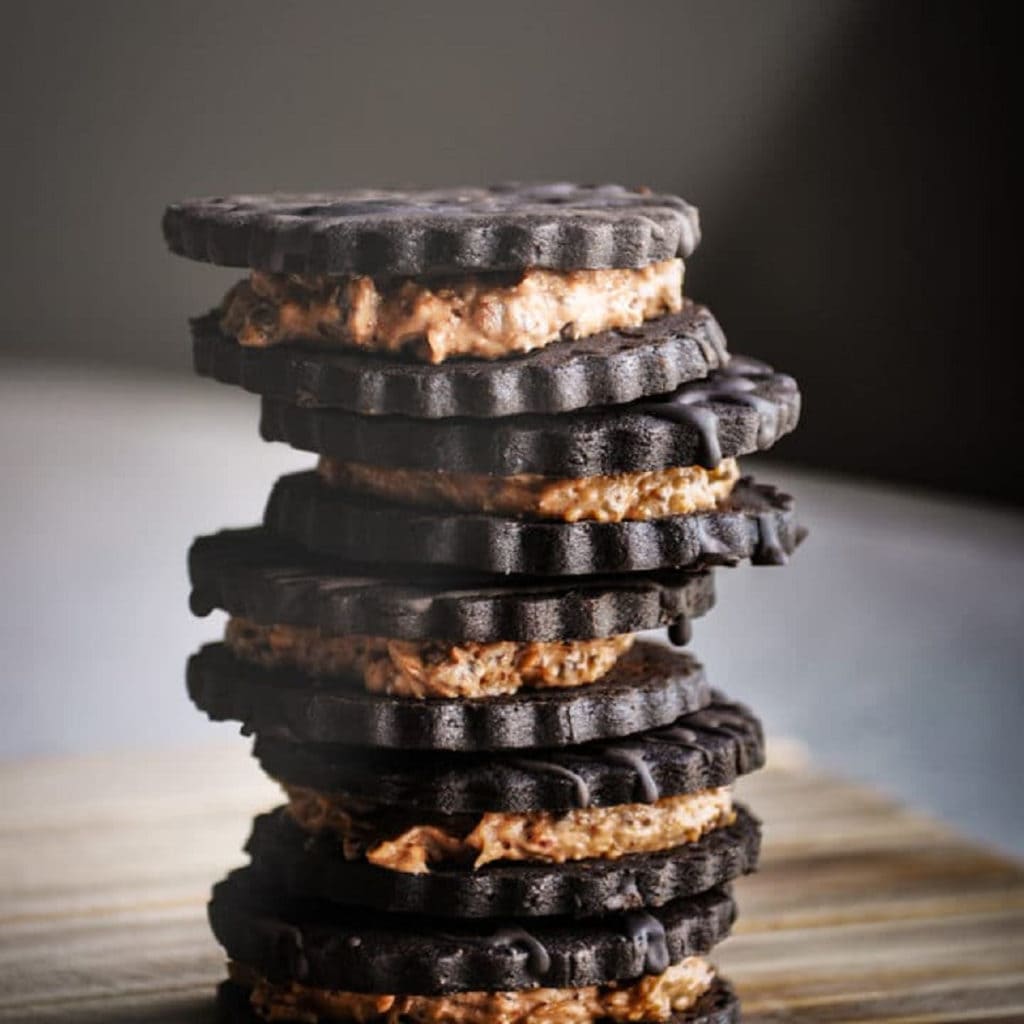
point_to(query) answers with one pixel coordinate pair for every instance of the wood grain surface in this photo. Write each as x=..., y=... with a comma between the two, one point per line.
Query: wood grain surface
x=861, y=911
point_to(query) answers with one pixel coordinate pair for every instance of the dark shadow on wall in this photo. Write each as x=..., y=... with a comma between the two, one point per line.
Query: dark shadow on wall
x=872, y=255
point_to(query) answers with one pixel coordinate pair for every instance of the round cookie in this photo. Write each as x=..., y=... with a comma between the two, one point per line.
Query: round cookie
x=326, y=946
x=757, y=522
x=648, y=686
x=609, y=368
x=703, y=750
x=741, y=408
x=253, y=574
x=393, y=232
x=718, y=1005
x=314, y=867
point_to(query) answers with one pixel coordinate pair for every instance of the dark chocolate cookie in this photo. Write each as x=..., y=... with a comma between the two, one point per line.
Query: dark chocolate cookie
x=261, y=577
x=315, y=867
x=742, y=408
x=703, y=750
x=648, y=686
x=718, y=1005
x=387, y=233
x=755, y=522
x=324, y=945
x=604, y=369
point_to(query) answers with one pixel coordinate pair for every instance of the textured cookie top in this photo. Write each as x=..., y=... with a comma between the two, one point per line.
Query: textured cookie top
x=396, y=232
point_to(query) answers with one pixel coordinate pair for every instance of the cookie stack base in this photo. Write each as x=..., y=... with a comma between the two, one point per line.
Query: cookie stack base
x=718, y=1005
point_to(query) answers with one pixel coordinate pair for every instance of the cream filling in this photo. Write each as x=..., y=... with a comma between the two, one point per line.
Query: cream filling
x=477, y=316
x=427, y=668
x=654, y=998
x=679, y=490
x=589, y=832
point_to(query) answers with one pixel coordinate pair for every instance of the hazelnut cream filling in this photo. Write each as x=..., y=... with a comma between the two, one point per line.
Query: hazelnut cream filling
x=400, y=841
x=427, y=668
x=676, y=491
x=653, y=998
x=487, y=316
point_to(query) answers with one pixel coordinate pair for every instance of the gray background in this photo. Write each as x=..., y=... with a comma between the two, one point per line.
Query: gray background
x=850, y=163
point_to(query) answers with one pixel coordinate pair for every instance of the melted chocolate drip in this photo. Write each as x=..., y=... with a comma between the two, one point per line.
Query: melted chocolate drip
x=710, y=545
x=680, y=736
x=581, y=790
x=770, y=550
x=733, y=384
x=722, y=722
x=538, y=959
x=632, y=756
x=641, y=925
x=680, y=631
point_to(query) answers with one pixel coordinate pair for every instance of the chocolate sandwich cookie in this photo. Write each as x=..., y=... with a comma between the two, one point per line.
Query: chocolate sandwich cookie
x=646, y=687
x=704, y=750
x=666, y=824
x=390, y=232
x=326, y=947
x=608, y=368
x=314, y=866
x=741, y=408
x=252, y=573
x=755, y=522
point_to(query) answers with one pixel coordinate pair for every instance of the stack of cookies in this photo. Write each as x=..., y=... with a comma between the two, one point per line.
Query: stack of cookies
x=501, y=806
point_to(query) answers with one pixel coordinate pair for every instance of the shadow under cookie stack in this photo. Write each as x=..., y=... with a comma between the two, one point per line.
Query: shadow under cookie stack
x=501, y=806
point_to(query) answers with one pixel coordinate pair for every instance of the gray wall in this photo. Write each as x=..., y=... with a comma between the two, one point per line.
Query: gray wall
x=839, y=152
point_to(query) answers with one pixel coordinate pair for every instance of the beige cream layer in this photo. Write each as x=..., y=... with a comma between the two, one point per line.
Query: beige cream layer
x=427, y=668
x=480, y=316
x=603, y=832
x=675, y=491
x=653, y=998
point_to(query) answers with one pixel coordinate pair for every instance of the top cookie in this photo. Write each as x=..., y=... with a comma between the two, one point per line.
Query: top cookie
x=393, y=232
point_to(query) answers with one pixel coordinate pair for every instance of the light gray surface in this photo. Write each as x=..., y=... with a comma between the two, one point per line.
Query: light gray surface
x=892, y=644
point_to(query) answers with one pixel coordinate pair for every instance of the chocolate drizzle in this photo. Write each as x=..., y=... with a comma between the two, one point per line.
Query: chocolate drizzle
x=733, y=384
x=712, y=547
x=580, y=788
x=538, y=959
x=723, y=722
x=632, y=756
x=644, y=927
x=770, y=549
x=680, y=632
x=680, y=736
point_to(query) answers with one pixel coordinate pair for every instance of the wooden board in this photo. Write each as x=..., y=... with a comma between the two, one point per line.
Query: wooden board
x=861, y=912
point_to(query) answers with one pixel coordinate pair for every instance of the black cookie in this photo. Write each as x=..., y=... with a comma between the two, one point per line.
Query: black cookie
x=755, y=522
x=384, y=233
x=604, y=369
x=718, y=1005
x=703, y=750
x=253, y=574
x=315, y=867
x=324, y=945
x=648, y=686
x=741, y=408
